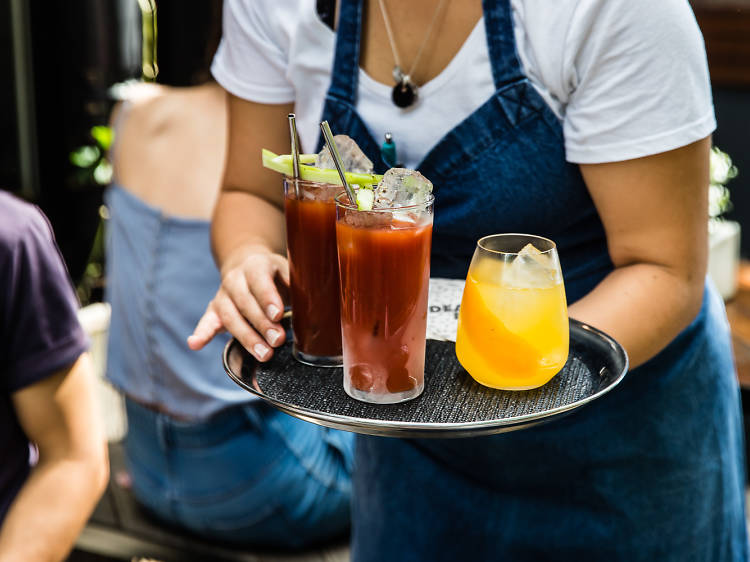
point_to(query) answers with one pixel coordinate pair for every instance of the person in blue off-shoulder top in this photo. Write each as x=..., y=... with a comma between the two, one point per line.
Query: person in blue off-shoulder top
x=202, y=453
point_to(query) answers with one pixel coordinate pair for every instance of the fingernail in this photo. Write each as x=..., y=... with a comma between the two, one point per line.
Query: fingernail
x=272, y=311
x=260, y=350
x=272, y=336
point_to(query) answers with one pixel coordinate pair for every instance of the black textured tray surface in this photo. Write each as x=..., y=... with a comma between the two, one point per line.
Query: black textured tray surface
x=451, y=401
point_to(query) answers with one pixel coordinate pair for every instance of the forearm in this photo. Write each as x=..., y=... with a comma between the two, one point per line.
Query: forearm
x=243, y=221
x=249, y=211
x=643, y=306
x=52, y=508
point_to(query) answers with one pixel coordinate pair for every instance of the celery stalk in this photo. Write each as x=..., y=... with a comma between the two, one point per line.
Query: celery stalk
x=282, y=163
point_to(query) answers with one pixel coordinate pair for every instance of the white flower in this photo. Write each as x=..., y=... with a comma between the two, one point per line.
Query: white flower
x=718, y=200
x=721, y=169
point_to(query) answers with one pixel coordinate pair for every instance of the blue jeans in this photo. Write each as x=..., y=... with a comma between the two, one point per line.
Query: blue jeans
x=248, y=475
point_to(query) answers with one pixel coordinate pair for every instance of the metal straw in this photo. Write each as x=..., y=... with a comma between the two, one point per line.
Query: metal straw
x=328, y=136
x=295, y=151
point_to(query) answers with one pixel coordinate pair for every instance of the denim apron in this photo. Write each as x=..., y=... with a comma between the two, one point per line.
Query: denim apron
x=654, y=470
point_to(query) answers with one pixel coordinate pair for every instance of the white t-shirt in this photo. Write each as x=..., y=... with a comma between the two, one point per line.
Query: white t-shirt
x=626, y=78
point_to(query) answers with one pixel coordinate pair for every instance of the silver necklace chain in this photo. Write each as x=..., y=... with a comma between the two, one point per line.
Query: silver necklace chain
x=398, y=74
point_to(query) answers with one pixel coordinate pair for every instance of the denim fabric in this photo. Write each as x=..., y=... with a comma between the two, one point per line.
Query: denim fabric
x=248, y=475
x=510, y=152
x=160, y=277
x=652, y=471
x=237, y=472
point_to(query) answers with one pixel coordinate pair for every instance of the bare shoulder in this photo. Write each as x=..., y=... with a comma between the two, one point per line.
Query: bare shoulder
x=170, y=147
x=156, y=111
x=134, y=101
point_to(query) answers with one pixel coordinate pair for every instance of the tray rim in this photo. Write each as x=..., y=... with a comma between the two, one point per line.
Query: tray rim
x=386, y=428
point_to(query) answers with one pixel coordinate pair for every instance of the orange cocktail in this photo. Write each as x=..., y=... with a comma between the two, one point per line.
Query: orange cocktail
x=513, y=323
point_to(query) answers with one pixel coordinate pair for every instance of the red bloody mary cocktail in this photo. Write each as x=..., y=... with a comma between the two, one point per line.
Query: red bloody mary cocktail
x=313, y=270
x=384, y=263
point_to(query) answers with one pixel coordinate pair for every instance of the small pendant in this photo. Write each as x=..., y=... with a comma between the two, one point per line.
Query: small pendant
x=404, y=92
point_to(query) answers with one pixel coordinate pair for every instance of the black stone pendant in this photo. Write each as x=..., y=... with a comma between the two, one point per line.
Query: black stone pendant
x=404, y=93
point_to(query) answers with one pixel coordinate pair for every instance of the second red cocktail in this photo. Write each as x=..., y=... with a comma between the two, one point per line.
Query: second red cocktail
x=313, y=270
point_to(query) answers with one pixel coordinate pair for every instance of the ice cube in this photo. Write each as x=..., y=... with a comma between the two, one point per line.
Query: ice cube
x=401, y=187
x=530, y=269
x=406, y=217
x=367, y=219
x=532, y=252
x=361, y=377
x=352, y=157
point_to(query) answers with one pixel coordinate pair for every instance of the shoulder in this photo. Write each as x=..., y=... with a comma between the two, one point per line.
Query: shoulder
x=569, y=37
x=153, y=115
x=21, y=224
x=568, y=18
x=272, y=19
x=630, y=13
x=166, y=117
x=258, y=40
x=541, y=30
x=39, y=330
x=636, y=23
x=630, y=77
x=27, y=242
x=137, y=100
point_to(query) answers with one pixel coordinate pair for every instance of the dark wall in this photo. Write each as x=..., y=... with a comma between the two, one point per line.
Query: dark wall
x=9, y=156
x=80, y=48
x=725, y=25
x=77, y=49
x=733, y=137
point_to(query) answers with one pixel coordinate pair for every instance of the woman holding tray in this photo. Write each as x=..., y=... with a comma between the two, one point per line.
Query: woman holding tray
x=585, y=122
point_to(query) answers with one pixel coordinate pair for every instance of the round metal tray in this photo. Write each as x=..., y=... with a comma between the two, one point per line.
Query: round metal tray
x=452, y=404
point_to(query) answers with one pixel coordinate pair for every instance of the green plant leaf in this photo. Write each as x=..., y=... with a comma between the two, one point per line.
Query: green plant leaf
x=85, y=156
x=103, y=136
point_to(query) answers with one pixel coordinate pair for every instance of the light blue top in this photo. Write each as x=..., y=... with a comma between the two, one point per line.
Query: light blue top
x=160, y=277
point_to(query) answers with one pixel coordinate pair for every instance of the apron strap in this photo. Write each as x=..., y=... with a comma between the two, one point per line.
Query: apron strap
x=501, y=42
x=345, y=73
x=498, y=21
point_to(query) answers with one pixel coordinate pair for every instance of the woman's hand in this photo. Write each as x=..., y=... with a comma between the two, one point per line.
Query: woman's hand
x=248, y=304
x=247, y=234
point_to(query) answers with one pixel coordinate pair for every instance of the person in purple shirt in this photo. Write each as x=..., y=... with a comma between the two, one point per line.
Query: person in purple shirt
x=46, y=396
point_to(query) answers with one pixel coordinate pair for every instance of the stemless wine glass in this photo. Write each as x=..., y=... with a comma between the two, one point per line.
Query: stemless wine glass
x=513, y=322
